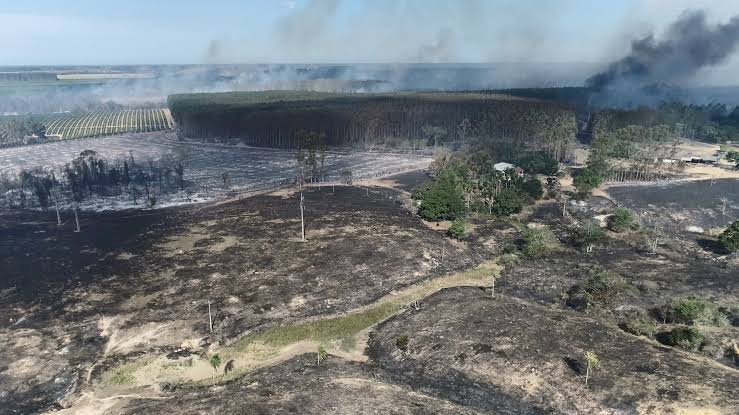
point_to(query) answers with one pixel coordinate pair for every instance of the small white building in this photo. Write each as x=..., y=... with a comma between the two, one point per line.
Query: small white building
x=502, y=167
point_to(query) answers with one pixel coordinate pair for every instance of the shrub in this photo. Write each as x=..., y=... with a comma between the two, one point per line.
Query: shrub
x=695, y=311
x=539, y=242
x=402, y=343
x=590, y=233
x=622, y=220
x=442, y=199
x=456, y=230
x=730, y=238
x=508, y=259
x=508, y=202
x=604, y=289
x=639, y=323
x=687, y=338
x=533, y=188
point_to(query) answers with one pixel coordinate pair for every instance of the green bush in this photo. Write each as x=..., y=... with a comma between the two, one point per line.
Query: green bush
x=442, y=199
x=590, y=233
x=402, y=343
x=539, y=242
x=533, y=188
x=603, y=289
x=730, y=238
x=508, y=202
x=456, y=230
x=639, y=323
x=687, y=338
x=508, y=259
x=693, y=310
x=622, y=220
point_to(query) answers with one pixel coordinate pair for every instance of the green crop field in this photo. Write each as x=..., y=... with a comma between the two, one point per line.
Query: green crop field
x=102, y=123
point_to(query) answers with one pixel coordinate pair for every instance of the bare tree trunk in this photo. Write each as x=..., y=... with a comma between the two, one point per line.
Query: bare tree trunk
x=587, y=374
x=210, y=318
x=58, y=217
x=77, y=218
x=302, y=217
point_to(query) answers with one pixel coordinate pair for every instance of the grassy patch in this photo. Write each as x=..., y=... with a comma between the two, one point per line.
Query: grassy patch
x=344, y=328
x=124, y=375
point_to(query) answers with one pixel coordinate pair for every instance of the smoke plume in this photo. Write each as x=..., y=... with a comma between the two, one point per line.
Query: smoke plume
x=688, y=45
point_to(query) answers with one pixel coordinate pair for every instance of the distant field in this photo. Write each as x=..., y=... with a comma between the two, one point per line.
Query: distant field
x=103, y=123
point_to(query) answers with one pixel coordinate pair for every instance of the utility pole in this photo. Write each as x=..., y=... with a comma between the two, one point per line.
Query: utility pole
x=302, y=216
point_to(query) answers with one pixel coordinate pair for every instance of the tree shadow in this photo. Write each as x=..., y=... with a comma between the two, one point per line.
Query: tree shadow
x=574, y=365
x=713, y=246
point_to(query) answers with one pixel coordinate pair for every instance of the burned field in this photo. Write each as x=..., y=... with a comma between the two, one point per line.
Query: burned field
x=133, y=282
x=703, y=204
x=117, y=315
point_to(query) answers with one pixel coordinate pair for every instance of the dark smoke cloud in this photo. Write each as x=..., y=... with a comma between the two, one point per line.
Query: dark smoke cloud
x=688, y=45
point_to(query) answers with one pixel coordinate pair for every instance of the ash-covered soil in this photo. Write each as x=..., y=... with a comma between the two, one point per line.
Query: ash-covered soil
x=140, y=281
x=299, y=386
x=469, y=353
x=682, y=204
x=503, y=355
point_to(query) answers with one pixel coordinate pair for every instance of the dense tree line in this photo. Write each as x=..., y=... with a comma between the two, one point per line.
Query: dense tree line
x=274, y=119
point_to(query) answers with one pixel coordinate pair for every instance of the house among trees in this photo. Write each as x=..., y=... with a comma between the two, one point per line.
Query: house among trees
x=504, y=167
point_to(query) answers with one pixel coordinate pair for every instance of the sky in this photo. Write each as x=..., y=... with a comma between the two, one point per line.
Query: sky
x=106, y=32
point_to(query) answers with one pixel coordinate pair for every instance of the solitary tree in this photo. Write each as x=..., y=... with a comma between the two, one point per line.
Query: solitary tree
x=215, y=362
x=591, y=362
x=730, y=238
x=321, y=354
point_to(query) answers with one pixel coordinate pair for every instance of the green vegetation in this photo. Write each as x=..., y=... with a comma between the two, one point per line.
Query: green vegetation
x=622, y=220
x=638, y=322
x=402, y=343
x=588, y=234
x=602, y=289
x=729, y=239
x=539, y=242
x=441, y=199
x=215, y=362
x=456, y=230
x=539, y=163
x=321, y=355
x=591, y=362
x=533, y=188
x=687, y=338
x=344, y=328
x=693, y=310
x=508, y=202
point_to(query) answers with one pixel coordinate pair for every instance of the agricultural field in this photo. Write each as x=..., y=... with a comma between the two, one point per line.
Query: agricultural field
x=104, y=123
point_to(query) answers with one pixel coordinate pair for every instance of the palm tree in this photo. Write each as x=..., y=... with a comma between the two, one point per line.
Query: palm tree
x=592, y=362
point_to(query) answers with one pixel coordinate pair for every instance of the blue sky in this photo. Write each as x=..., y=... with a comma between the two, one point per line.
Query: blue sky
x=251, y=31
